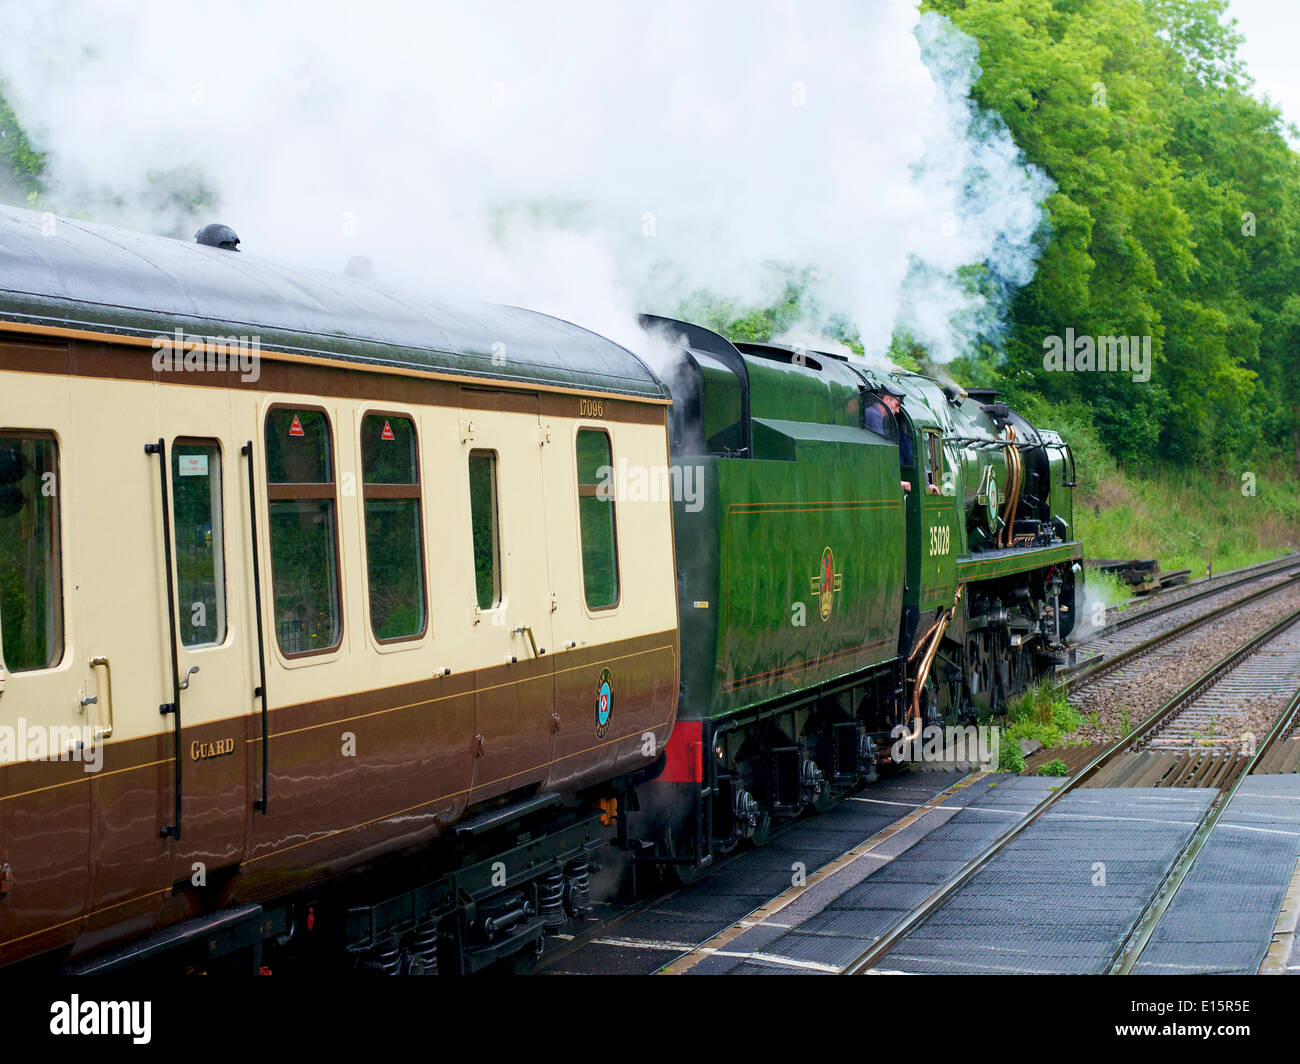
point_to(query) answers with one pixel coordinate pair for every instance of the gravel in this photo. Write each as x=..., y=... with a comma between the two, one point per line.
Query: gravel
x=1140, y=686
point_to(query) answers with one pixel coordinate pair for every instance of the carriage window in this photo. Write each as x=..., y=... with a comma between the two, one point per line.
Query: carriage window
x=596, y=517
x=304, y=531
x=31, y=589
x=487, y=536
x=198, y=535
x=390, y=470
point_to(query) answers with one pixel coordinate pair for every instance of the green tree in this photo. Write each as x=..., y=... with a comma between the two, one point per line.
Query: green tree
x=21, y=168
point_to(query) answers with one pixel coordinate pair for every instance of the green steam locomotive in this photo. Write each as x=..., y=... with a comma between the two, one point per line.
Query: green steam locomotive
x=870, y=555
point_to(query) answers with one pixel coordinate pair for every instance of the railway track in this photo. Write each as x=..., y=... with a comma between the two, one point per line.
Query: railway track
x=1135, y=636
x=1265, y=667
x=1194, y=589
x=666, y=931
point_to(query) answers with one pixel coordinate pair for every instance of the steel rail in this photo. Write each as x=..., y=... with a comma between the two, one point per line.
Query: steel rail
x=1226, y=582
x=1155, y=603
x=1108, y=665
x=887, y=942
x=1135, y=942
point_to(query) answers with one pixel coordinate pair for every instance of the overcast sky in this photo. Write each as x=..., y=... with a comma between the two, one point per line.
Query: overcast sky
x=1271, y=28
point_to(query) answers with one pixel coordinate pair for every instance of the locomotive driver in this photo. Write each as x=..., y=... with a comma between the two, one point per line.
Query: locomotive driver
x=875, y=420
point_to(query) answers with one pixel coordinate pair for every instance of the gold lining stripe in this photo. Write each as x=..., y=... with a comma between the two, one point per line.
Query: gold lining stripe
x=454, y=794
x=83, y=916
x=89, y=776
x=443, y=698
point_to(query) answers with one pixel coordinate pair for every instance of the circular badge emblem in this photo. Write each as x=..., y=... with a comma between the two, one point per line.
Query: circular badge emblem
x=993, y=501
x=604, y=703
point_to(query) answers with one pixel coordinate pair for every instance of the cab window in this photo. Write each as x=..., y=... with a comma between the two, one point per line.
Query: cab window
x=933, y=463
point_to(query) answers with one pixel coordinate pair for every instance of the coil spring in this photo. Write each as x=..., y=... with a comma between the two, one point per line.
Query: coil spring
x=382, y=960
x=577, y=887
x=551, y=899
x=423, y=949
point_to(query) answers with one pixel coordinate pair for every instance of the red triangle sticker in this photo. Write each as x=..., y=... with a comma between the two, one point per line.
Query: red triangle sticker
x=296, y=428
x=387, y=434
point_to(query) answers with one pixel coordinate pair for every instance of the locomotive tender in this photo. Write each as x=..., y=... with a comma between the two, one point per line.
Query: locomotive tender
x=320, y=625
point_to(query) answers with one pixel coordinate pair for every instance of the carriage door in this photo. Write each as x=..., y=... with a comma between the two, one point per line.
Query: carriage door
x=511, y=614
x=215, y=693
x=44, y=826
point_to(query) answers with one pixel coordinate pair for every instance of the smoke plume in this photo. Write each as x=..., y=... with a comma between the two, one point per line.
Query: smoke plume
x=591, y=160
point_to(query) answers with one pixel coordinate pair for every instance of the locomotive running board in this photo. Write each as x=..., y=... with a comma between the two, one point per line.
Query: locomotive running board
x=227, y=930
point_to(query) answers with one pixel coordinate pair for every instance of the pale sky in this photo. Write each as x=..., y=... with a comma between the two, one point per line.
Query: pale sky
x=1271, y=28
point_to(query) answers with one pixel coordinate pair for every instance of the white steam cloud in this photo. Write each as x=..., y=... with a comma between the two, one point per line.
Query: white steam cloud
x=591, y=160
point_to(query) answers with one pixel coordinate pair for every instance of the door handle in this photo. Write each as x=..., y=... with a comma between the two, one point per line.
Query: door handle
x=185, y=683
x=96, y=663
x=524, y=629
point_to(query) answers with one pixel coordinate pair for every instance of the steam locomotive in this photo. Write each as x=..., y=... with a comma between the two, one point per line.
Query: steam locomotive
x=341, y=625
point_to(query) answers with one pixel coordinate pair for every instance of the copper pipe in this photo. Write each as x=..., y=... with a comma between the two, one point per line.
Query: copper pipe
x=922, y=641
x=1015, y=473
x=1015, y=498
x=1001, y=538
x=923, y=673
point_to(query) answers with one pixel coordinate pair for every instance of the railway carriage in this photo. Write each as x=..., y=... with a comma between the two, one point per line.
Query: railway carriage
x=295, y=575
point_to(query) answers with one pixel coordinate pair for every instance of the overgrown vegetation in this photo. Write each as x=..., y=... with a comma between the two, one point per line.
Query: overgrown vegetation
x=1041, y=714
x=1223, y=516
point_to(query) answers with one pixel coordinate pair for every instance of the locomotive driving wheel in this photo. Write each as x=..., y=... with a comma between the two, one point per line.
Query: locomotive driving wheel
x=979, y=671
x=1021, y=672
x=1000, y=653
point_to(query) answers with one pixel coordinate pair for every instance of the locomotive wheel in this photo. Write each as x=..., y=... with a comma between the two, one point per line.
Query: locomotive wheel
x=1002, y=682
x=979, y=671
x=1022, y=674
x=763, y=832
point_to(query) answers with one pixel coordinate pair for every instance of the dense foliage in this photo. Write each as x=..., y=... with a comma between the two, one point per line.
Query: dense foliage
x=20, y=167
x=1174, y=217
